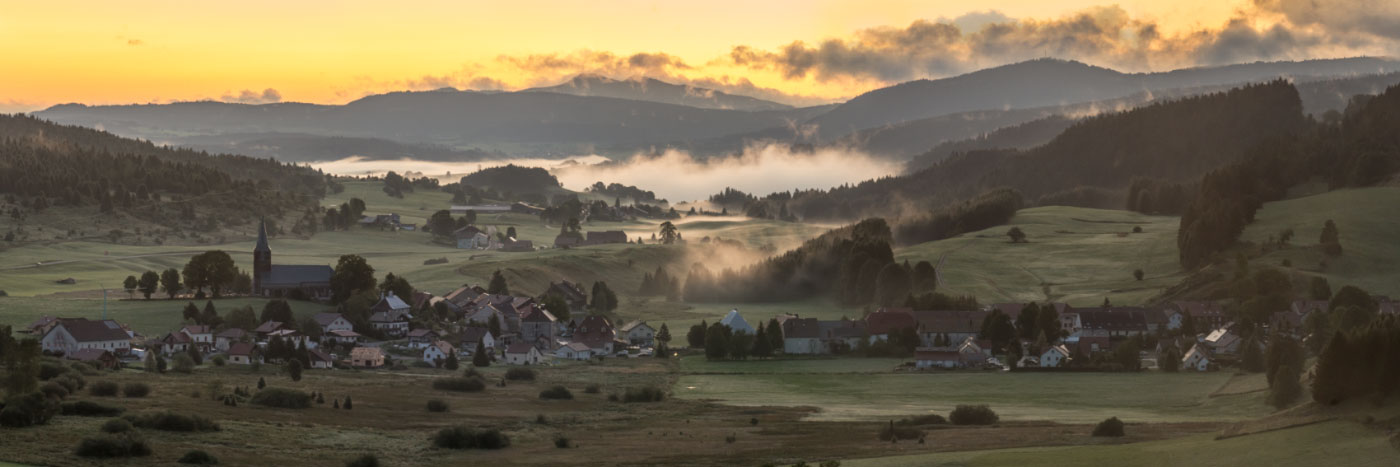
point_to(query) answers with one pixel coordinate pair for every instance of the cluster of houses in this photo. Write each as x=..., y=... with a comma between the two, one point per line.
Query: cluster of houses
x=472, y=237
x=386, y=222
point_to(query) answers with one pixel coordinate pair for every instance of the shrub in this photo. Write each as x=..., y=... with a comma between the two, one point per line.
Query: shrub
x=367, y=460
x=83, y=369
x=437, y=405
x=54, y=390
x=127, y=445
x=561, y=442
x=461, y=437
x=556, y=392
x=116, y=425
x=593, y=389
x=89, y=409
x=472, y=373
x=27, y=410
x=520, y=374
x=1111, y=427
x=919, y=420
x=646, y=394
x=170, y=421
x=183, y=364
x=973, y=415
x=103, y=389
x=51, y=369
x=136, y=390
x=218, y=360
x=901, y=432
x=282, y=398
x=459, y=384
x=71, y=381
x=198, y=457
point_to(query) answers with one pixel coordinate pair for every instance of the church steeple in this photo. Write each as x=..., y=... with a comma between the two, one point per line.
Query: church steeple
x=262, y=259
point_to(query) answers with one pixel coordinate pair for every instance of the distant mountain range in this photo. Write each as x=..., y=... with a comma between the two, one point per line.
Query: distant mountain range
x=654, y=90
x=593, y=114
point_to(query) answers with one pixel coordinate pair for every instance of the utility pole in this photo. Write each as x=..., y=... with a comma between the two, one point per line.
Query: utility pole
x=104, y=301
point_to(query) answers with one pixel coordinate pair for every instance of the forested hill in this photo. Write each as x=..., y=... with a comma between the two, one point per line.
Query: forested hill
x=1176, y=141
x=43, y=164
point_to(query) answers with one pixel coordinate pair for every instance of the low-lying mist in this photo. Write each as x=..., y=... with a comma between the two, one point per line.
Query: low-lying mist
x=677, y=176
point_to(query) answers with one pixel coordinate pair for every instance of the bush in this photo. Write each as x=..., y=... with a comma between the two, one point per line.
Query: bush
x=367, y=460
x=520, y=374
x=459, y=384
x=973, y=415
x=116, y=425
x=282, y=398
x=183, y=364
x=461, y=437
x=54, y=390
x=218, y=360
x=920, y=420
x=136, y=390
x=170, y=421
x=127, y=445
x=901, y=432
x=71, y=381
x=103, y=389
x=593, y=389
x=83, y=369
x=561, y=442
x=1111, y=427
x=51, y=369
x=646, y=394
x=199, y=458
x=437, y=405
x=472, y=373
x=90, y=409
x=28, y=410
x=556, y=392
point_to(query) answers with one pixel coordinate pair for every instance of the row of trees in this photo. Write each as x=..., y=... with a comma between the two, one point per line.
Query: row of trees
x=720, y=342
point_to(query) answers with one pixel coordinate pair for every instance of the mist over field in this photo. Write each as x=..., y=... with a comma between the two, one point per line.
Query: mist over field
x=674, y=175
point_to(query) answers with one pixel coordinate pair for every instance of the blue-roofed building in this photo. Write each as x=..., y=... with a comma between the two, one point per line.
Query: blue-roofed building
x=306, y=281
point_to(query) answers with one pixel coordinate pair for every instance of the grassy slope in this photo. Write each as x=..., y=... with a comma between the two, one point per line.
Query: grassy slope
x=1075, y=255
x=1061, y=397
x=1331, y=443
x=1367, y=221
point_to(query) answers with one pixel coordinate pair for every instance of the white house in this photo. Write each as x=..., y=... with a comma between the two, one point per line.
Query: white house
x=421, y=338
x=330, y=322
x=736, y=323
x=320, y=360
x=936, y=358
x=228, y=337
x=438, y=352
x=243, y=353
x=1175, y=318
x=69, y=335
x=390, y=316
x=522, y=353
x=1196, y=359
x=342, y=337
x=1054, y=356
x=574, y=351
x=472, y=335
x=638, y=333
x=802, y=336
x=1223, y=341
x=200, y=336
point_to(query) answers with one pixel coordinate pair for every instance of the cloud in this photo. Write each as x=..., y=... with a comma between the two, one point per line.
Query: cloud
x=267, y=96
x=8, y=106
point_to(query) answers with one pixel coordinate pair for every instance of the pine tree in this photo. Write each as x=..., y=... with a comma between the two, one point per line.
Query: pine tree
x=348, y=405
x=197, y=357
x=480, y=358
x=261, y=383
x=336, y=404
x=451, y=363
x=321, y=398
x=151, y=361
x=1333, y=371
x=294, y=369
x=1286, y=388
x=1251, y=359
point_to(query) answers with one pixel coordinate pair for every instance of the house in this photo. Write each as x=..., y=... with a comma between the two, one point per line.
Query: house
x=243, y=353
x=638, y=333
x=41, y=326
x=1054, y=356
x=268, y=328
x=1222, y=341
x=480, y=209
x=175, y=342
x=572, y=351
x=1197, y=359
x=597, y=333
x=200, y=335
x=332, y=322
x=538, y=327
x=936, y=358
x=1119, y=321
x=320, y=360
x=462, y=297
x=341, y=337
x=437, y=352
x=1028, y=361
x=957, y=325
x=1155, y=319
x=228, y=337
x=390, y=316
x=802, y=336
x=568, y=240
x=841, y=335
x=472, y=238
x=887, y=321
x=367, y=357
x=421, y=338
x=1088, y=343
x=517, y=246
x=1204, y=314
x=522, y=353
x=602, y=238
x=736, y=323
x=571, y=293
x=473, y=335
x=974, y=353
x=292, y=338
x=1070, y=322
x=67, y=335
x=295, y=281
x=99, y=358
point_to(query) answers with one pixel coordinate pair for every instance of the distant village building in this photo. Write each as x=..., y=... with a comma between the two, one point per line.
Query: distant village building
x=320, y=360
x=1196, y=359
x=936, y=358
x=574, y=351
x=1054, y=356
x=309, y=281
x=228, y=337
x=201, y=336
x=437, y=352
x=521, y=353
x=736, y=323
x=330, y=322
x=98, y=358
x=421, y=338
x=472, y=335
x=571, y=293
x=638, y=333
x=537, y=328
x=367, y=357
x=390, y=316
x=243, y=353
x=68, y=335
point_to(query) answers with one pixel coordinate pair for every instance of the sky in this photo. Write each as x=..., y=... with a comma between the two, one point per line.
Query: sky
x=796, y=52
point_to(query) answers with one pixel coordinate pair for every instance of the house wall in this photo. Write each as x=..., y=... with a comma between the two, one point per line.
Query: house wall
x=58, y=340
x=803, y=346
x=641, y=336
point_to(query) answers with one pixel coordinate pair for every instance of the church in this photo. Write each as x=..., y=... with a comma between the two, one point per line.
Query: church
x=297, y=281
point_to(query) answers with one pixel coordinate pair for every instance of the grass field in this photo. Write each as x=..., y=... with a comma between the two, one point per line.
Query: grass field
x=859, y=389
x=1368, y=222
x=1075, y=255
x=1338, y=443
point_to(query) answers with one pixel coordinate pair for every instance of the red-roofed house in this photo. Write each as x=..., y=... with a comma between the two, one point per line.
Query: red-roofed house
x=68, y=335
x=937, y=358
x=522, y=353
x=886, y=321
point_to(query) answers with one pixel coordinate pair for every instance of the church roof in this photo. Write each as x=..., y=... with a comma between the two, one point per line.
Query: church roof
x=262, y=238
x=297, y=275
